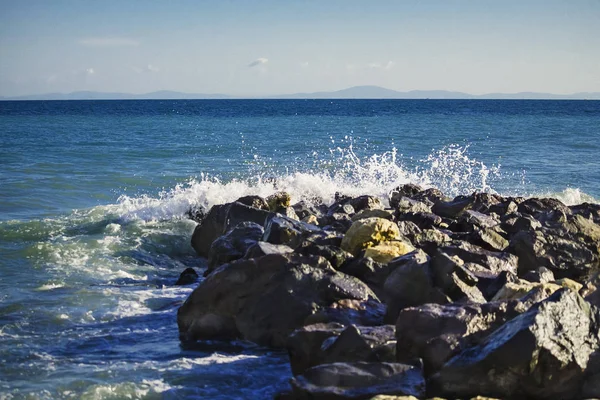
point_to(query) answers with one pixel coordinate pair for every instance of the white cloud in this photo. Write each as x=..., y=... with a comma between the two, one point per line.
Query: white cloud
x=147, y=68
x=152, y=68
x=304, y=64
x=108, y=42
x=90, y=71
x=389, y=65
x=258, y=61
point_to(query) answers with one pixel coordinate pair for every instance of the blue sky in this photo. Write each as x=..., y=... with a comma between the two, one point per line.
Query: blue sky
x=275, y=47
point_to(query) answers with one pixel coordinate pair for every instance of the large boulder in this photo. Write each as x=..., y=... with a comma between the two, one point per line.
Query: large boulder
x=410, y=284
x=369, y=232
x=358, y=380
x=234, y=244
x=264, y=299
x=219, y=220
x=385, y=252
x=434, y=333
x=284, y=230
x=542, y=354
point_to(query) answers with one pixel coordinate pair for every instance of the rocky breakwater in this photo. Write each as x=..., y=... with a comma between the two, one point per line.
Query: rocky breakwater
x=479, y=295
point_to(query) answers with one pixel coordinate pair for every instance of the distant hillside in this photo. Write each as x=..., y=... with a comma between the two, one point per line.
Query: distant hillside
x=356, y=92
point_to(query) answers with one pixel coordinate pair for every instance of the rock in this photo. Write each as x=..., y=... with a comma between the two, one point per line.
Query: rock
x=336, y=256
x=516, y=290
x=261, y=248
x=564, y=257
x=431, y=239
x=435, y=333
x=254, y=201
x=187, y=277
x=454, y=279
x=369, y=232
x=430, y=196
x=284, y=230
x=340, y=208
x=539, y=207
x=541, y=275
x=366, y=269
x=588, y=211
x=422, y=220
x=327, y=343
x=406, y=204
x=311, y=219
x=358, y=380
x=490, y=287
x=219, y=220
x=287, y=212
x=410, y=284
x=513, y=224
x=264, y=299
x=408, y=190
x=350, y=312
x=384, y=252
x=234, y=244
x=452, y=209
x=408, y=229
x=472, y=219
x=492, y=262
x=366, y=202
x=489, y=239
x=304, y=344
x=196, y=213
x=370, y=213
x=542, y=353
x=278, y=200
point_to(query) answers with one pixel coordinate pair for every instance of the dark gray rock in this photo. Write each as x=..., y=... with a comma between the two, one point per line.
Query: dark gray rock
x=542, y=353
x=410, y=284
x=335, y=255
x=452, y=209
x=254, y=201
x=454, y=278
x=327, y=343
x=421, y=219
x=515, y=223
x=406, y=204
x=288, y=231
x=435, y=333
x=220, y=219
x=187, y=277
x=350, y=312
x=408, y=190
x=366, y=202
x=358, y=380
x=261, y=248
x=234, y=244
x=489, y=239
x=264, y=299
x=492, y=262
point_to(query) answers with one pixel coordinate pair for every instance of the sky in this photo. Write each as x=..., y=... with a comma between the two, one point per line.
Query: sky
x=270, y=47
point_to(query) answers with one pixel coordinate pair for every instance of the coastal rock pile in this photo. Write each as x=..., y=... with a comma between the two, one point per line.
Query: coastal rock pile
x=479, y=295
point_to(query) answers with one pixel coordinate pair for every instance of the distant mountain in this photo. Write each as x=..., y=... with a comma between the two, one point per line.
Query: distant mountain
x=356, y=92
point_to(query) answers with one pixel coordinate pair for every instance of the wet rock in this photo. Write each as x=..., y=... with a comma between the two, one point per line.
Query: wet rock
x=287, y=212
x=588, y=211
x=456, y=280
x=234, y=244
x=542, y=353
x=187, y=277
x=219, y=220
x=366, y=269
x=539, y=208
x=327, y=343
x=431, y=239
x=197, y=213
x=369, y=232
x=492, y=262
x=385, y=252
x=284, y=230
x=340, y=208
x=430, y=196
x=264, y=299
x=410, y=284
x=358, y=380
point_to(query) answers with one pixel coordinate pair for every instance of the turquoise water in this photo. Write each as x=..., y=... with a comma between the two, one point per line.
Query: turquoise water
x=93, y=196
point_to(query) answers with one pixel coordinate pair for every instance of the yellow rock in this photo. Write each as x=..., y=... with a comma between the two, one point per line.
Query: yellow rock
x=369, y=232
x=516, y=290
x=569, y=284
x=279, y=200
x=311, y=219
x=386, y=251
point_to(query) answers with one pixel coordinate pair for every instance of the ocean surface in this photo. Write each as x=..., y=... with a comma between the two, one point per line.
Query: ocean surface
x=93, y=234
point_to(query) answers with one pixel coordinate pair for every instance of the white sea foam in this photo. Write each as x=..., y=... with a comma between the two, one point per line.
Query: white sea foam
x=127, y=390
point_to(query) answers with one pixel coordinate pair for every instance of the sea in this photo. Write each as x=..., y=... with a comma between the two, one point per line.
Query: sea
x=94, y=233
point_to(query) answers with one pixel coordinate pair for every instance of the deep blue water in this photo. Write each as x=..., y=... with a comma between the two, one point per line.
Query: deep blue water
x=93, y=193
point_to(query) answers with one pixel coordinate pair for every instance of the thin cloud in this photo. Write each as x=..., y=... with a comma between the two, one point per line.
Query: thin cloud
x=90, y=71
x=147, y=68
x=108, y=42
x=258, y=61
x=389, y=65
